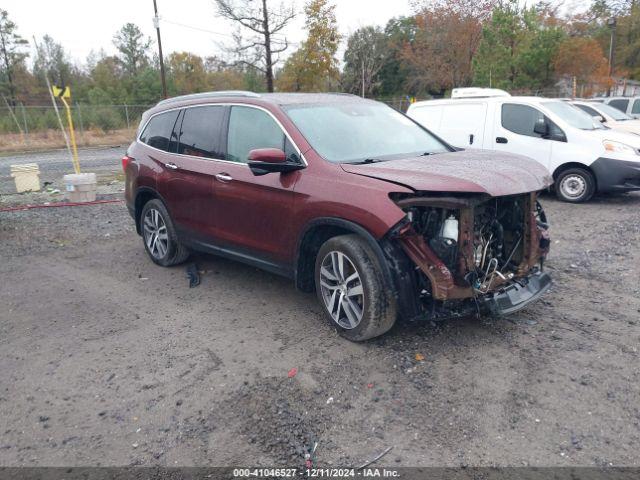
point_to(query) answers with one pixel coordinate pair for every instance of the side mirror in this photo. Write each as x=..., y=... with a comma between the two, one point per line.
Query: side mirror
x=599, y=118
x=269, y=160
x=541, y=128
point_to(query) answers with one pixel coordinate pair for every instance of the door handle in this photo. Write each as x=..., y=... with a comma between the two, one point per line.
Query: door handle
x=471, y=139
x=224, y=177
x=171, y=166
x=501, y=140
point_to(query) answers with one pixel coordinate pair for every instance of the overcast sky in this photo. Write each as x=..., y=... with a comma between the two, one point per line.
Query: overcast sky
x=85, y=25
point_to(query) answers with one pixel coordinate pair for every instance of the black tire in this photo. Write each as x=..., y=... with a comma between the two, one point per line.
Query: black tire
x=175, y=252
x=575, y=185
x=377, y=305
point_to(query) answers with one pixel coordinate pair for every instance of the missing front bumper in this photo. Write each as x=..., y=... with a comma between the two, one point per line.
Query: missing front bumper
x=517, y=295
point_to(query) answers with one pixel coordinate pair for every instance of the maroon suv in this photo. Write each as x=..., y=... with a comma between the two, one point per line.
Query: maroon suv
x=348, y=197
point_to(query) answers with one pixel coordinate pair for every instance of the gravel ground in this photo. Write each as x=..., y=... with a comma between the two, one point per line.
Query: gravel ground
x=108, y=359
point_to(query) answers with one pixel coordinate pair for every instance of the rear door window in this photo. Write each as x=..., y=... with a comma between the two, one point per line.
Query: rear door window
x=201, y=132
x=636, y=107
x=251, y=128
x=620, y=103
x=159, y=131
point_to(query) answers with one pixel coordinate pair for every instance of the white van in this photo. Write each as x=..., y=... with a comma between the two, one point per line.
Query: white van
x=628, y=105
x=584, y=156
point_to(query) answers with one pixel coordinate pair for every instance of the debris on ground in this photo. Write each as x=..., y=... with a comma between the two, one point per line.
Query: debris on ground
x=292, y=373
x=193, y=275
x=376, y=458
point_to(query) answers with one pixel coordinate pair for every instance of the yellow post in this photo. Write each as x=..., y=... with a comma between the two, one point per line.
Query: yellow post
x=76, y=163
x=62, y=94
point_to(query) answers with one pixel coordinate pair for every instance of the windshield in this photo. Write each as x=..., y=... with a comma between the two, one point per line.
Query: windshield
x=355, y=132
x=612, y=112
x=572, y=115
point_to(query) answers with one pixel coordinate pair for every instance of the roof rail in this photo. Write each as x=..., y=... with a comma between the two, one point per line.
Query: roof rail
x=219, y=93
x=472, y=92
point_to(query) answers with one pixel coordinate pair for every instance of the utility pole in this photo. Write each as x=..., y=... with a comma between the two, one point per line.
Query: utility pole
x=612, y=25
x=156, y=23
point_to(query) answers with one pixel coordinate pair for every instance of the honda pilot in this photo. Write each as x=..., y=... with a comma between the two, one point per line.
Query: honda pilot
x=347, y=197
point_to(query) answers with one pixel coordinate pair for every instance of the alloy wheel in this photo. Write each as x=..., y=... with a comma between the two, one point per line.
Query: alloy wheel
x=155, y=233
x=342, y=290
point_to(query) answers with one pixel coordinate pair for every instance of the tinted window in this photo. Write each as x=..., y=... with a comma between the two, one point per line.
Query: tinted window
x=159, y=131
x=201, y=132
x=636, y=107
x=251, y=128
x=620, y=103
x=588, y=110
x=520, y=119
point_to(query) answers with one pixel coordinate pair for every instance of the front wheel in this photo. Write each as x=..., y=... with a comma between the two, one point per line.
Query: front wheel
x=352, y=290
x=575, y=185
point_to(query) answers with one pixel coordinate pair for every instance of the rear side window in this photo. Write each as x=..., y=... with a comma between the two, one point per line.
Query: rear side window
x=159, y=131
x=201, y=132
x=520, y=119
x=636, y=107
x=251, y=128
x=620, y=103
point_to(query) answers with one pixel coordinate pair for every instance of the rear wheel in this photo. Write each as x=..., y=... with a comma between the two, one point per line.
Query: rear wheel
x=575, y=185
x=159, y=235
x=352, y=289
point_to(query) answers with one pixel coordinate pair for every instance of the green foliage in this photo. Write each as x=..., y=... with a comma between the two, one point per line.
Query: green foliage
x=366, y=54
x=133, y=48
x=517, y=48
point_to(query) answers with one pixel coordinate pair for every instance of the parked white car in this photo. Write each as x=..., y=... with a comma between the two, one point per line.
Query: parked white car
x=583, y=156
x=628, y=105
x=609, y=116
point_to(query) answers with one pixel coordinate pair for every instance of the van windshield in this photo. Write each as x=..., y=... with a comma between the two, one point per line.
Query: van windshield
x=355, y=132
x=572, y=115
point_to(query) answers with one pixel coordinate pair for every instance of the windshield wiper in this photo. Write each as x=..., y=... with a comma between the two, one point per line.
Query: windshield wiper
x=366, y=160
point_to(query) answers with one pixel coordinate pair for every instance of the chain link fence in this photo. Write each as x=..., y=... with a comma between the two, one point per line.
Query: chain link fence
x=28, y=119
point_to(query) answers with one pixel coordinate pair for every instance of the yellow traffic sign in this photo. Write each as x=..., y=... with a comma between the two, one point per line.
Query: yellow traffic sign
x=61, y=92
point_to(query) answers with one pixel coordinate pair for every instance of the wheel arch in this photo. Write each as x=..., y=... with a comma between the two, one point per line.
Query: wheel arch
x=319, y=231
x=143, y=195
x=568, y=165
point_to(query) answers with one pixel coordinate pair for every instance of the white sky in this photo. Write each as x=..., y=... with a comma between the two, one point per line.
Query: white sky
x=83, y=25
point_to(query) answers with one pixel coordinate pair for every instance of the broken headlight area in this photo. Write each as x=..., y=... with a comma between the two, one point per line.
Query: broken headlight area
x=474, y=252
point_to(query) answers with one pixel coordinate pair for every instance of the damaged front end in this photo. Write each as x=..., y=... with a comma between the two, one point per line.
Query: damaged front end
x=468, y=254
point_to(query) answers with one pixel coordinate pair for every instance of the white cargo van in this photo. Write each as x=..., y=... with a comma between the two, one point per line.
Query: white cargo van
x=584, y=156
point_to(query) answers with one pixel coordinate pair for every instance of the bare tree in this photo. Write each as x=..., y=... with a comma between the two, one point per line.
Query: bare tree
x=259, y=50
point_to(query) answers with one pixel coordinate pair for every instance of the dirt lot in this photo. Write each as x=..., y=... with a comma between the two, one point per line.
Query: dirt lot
x=108, y=359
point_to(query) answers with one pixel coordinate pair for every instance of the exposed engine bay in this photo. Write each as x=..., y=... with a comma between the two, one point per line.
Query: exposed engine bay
x=473, y=247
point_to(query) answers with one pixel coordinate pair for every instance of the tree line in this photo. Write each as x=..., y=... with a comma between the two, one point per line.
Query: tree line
x=442, y=45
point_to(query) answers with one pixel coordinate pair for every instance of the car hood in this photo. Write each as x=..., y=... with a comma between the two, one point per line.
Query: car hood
x=473, y=171
x=631, y=126
x=627, y=137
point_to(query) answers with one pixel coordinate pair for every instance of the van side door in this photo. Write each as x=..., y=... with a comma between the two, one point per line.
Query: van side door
x=462, y=125
x=515, y=132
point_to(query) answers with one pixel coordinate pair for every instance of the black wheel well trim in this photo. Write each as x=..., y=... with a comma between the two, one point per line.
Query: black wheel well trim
x=140, y=192
x=568, y=165
x=346, y=226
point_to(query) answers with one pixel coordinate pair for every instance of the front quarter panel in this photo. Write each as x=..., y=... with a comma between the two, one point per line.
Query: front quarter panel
x=325, y=190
